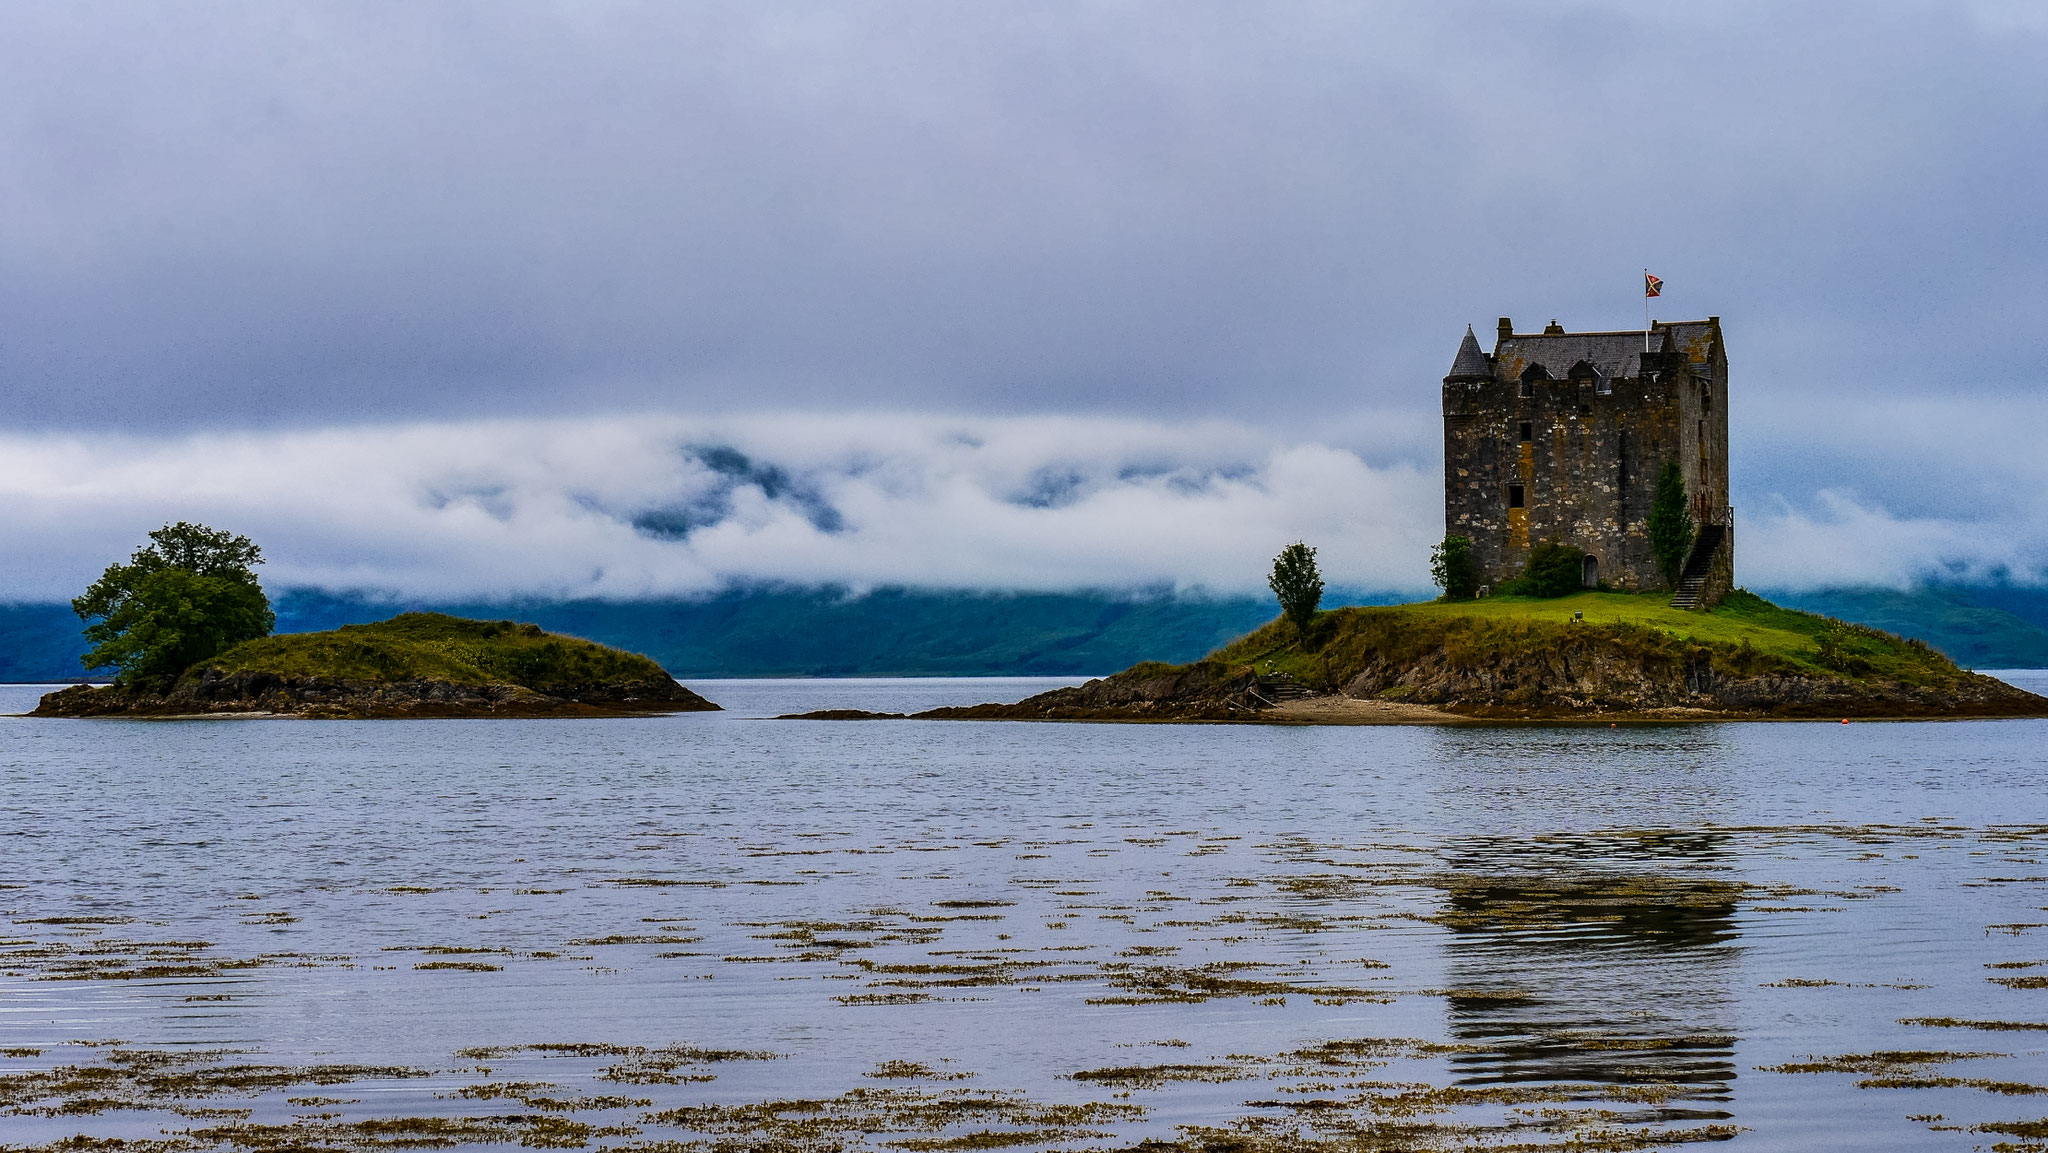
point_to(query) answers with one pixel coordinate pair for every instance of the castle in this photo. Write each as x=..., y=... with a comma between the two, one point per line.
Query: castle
x=1559, y=436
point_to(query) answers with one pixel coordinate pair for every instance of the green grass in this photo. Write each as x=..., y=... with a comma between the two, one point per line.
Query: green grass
x=1745, y=636
x=434, y=646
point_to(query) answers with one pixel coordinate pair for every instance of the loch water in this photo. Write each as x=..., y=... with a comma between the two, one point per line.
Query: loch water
x=723, y=931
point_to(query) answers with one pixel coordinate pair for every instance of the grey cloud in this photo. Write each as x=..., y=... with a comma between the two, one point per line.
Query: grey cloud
x=614, y=298
x=711, y=504
x=258, y=214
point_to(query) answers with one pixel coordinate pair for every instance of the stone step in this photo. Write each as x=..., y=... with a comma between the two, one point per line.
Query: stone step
x=1277, y=687
x=1699, y=567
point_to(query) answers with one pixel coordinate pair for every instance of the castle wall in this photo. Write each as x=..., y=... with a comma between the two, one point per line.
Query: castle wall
x=1588, y=468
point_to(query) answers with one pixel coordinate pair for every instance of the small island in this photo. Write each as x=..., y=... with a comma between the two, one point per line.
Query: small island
x=186, y=626
x=1589, y=656
x=413, y=665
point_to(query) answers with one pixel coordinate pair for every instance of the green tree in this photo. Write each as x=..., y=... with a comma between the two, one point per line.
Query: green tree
x=1450, y=566
x=1298, y=585
x=187, y=595
x=1671, y=525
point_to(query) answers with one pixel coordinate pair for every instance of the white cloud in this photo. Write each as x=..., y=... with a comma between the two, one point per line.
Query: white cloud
x=653, y=505
x=1838, y=539
x=627, y=507
x=1889, y=491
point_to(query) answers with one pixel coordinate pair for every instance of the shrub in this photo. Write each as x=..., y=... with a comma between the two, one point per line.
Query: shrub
x=1450, y=566
x=1554, y=570
x=1832, y=645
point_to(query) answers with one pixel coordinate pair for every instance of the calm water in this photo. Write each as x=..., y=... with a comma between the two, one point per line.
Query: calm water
x=726, y=932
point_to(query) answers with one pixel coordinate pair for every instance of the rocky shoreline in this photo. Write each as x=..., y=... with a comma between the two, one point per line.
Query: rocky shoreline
x=1592, y=683
x=214, y=693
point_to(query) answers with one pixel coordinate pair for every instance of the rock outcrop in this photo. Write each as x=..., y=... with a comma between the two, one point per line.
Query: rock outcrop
x=1605, y=676
x=214, y=692
x=1518, y=690
x=1150, y=692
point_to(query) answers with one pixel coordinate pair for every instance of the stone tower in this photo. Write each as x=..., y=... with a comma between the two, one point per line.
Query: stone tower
x=1559, y=436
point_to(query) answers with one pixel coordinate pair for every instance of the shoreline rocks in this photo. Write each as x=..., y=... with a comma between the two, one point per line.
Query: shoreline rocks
x=214, y=693
x=1605, y=687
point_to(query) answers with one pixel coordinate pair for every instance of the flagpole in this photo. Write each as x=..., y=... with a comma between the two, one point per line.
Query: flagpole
x=1646, y=310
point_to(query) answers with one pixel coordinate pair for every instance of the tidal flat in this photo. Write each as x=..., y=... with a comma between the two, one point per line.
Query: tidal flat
x=721, y=933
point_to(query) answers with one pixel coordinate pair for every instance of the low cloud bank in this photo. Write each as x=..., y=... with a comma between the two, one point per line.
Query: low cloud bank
x=629, y=507
x=1837, y=540
x=635, y=507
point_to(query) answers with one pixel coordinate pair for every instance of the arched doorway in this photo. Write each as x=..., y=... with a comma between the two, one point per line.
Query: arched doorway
x=1589, y=572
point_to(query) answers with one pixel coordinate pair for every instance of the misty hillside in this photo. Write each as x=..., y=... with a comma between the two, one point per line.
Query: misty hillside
x=761, y=633
x=900, y=632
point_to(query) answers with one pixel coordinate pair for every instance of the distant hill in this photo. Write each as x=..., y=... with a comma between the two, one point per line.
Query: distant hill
x=39, y=642
x=908, y=632
x=1978, y=628
x=780, y=632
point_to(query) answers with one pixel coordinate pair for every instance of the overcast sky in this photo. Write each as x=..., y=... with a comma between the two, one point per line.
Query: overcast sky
x=348, y=226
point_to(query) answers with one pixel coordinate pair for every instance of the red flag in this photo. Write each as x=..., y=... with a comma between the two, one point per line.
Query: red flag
x=1652, y=286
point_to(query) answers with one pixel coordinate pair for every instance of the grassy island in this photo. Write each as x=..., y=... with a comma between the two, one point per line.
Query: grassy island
x=1744, y=636
x=415, y=664
x=1590, y=655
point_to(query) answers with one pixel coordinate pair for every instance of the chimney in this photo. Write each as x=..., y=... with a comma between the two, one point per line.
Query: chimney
x=1507, y=328
x=1553, y=328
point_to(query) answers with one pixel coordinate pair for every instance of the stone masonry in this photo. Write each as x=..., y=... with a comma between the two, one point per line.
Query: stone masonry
x=1559, y=436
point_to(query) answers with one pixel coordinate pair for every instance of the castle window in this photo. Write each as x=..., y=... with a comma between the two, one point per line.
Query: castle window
x=1514, y=496
x=1527, y=392
x=1528, y=431
x=1530, y=375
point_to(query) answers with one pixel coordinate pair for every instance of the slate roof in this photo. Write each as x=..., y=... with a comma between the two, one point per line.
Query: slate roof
x=1471, y=362
x=1610, y=353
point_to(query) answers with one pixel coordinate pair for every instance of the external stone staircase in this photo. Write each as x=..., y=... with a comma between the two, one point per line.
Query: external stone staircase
x=1276, y=688
x=1692, y=583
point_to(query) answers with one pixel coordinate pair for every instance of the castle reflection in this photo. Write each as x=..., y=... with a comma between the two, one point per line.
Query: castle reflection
x=1606, y=959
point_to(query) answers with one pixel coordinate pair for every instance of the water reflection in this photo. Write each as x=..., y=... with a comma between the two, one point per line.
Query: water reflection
x=1603, y=958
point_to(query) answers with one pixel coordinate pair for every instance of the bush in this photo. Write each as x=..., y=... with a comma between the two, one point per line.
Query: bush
x=1450, y=566
x=1555, y=570
x=1848, y=648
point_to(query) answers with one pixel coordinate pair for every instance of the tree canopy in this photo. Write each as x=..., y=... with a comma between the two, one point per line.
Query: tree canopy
x=1297, y=584
x=190, y=593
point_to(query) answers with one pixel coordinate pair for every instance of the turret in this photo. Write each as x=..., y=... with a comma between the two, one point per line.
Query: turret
x=1470, y=364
